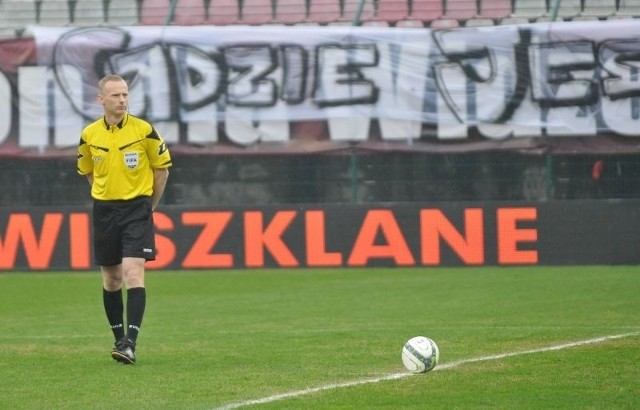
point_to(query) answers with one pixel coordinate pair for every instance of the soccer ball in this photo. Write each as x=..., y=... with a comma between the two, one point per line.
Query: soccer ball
x=420, y=354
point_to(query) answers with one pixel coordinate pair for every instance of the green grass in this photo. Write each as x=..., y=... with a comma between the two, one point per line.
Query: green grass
x=211, y=338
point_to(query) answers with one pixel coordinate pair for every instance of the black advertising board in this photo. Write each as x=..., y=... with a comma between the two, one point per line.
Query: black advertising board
x=416, y=234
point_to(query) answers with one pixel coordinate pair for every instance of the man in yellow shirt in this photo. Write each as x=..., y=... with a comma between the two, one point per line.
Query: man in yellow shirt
x=126, y=162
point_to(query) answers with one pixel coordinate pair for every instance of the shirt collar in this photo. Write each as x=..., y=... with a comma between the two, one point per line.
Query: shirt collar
x=119, y=125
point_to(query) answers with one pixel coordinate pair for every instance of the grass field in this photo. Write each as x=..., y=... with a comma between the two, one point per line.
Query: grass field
x=329, y=339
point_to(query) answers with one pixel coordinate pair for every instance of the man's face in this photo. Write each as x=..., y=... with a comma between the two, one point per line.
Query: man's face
x=114, y=98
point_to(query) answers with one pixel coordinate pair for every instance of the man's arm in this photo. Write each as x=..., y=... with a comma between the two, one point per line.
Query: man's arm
x=90, y=178
x=160, y=176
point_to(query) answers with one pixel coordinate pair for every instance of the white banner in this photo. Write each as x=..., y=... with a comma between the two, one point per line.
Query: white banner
x=551, y=79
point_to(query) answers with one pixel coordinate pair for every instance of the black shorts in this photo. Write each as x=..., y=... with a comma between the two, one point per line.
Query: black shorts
x=123, y=229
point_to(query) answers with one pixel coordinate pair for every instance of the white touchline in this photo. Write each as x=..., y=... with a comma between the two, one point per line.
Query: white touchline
x=395, y=376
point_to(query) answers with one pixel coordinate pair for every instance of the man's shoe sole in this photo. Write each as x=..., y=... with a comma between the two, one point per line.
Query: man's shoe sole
x=122, y=358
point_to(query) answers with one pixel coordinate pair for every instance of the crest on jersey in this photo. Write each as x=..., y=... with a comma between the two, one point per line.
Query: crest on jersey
x=131, y=159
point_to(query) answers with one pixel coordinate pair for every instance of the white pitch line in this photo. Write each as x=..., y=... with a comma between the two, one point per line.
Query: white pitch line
x=395, y=376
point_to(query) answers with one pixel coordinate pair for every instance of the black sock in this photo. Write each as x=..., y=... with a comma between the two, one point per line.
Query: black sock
x=113, y=307
x=136, y=301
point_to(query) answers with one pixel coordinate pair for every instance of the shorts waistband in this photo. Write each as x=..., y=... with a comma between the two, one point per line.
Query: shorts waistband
x=122, y=201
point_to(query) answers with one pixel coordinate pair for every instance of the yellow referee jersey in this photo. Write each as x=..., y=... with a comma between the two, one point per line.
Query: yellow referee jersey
x=121, y=157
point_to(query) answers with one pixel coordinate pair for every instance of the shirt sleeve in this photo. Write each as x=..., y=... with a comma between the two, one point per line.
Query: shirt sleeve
x=157, y=150
x=85, y=163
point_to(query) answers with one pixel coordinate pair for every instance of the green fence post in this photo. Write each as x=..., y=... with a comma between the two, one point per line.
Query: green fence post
x=172, y=12
x=356, y=17
x=354, y=177
x=549, y=178
x=554, y=11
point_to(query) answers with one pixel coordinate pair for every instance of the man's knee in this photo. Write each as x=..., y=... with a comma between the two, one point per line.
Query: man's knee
x=112, y=277
x=133, y=272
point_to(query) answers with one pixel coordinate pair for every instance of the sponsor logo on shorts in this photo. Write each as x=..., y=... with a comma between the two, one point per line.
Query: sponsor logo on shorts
x=147, y=250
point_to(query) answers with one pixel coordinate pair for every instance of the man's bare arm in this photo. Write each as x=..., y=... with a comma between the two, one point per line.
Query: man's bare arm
x=160, y=176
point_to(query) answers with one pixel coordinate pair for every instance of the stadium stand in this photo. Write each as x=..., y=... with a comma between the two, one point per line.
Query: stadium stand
x=351, y=8
x=479, y=22
x=426, y=10
x=290, y=12
x=565, y=8
x=410, y=23
x=88, y=13
x=598, y=8
x=186, y=12
x=584, y=18
x=15, y=15
x=55, y=13
x=444, y=23
x=392, y=11
x=376, y=23
x=530, y=9
x=7, y=33
x=154, y=12
x=189, y=13
x=460, y=9
x=122, y=12
x=223, y=12
x=494, y=9
x=513, y=20
x=324, y=11
x=629, y=8
x=256, y=12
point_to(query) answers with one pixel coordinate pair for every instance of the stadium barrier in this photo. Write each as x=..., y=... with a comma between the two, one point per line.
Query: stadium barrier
x=349, y=235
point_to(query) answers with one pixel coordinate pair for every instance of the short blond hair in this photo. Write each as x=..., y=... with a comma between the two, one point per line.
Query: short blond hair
x=108, y=78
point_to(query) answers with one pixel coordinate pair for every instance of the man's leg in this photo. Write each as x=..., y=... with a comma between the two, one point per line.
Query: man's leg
x=133, y=278
x=133, y=269
x=112, y=298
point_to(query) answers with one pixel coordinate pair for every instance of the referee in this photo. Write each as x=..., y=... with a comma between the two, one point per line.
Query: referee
x=126, y=162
